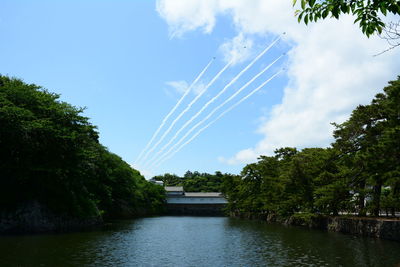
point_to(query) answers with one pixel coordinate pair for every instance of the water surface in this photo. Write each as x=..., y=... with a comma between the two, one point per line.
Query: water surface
x=197, y=241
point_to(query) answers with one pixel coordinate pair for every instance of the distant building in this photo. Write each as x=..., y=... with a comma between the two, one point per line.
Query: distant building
x=174, y=191
x=154, y=181
x=194, y=203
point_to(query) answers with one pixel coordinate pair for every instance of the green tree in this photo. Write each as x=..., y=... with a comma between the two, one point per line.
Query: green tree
x=169, y=179
x=359, y=173
x=371, y=139
x=193, y=181
x=332, y=189
x=50, y=153
x=368, y=13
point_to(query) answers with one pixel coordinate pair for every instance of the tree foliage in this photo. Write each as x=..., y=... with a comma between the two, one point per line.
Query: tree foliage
x=194, y=181
x=50, y=153
x=359, y=173
x=368, y=13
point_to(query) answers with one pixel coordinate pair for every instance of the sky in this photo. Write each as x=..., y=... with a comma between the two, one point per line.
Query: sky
x=130, y=62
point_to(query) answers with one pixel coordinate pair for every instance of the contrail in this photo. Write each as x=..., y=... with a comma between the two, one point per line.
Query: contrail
x=174, y=108
x=216, y=119
x=217, y=96
x=187, y=108
x=221, y=105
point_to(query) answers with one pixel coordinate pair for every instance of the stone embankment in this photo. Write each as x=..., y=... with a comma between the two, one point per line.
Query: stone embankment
x=385, y=228
x=33, y=217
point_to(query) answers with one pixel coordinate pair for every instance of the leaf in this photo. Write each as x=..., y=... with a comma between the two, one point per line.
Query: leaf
x=380, y=23
x=370, y=30
x=294, y=2
x=353, y=8
x=364, y=27
x=357, y=19
x=325, y=13
x=383, y=10
x=335, y=12
x=306, y=19
x=311, y=3
x=300, y=16
x=303, y=4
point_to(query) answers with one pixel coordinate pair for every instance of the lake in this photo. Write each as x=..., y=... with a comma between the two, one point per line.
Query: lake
x=197, y=241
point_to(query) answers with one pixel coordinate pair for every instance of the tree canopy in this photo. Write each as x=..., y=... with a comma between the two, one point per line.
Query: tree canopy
x=358, y=174
x=368, y=13
x=194, y=181
x=50, y=153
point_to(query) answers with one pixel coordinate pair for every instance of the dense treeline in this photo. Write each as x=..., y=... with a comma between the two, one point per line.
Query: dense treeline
x=50, y=153
x=195, y=181
x=358, y=174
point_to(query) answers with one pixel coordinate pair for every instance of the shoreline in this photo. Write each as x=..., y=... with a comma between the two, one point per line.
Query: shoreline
x=35, y=218
x=376, y=227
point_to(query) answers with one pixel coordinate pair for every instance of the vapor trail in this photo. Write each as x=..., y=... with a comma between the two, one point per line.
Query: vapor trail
x=216, y=119
x=187, y=108
x=217, y=96
x=221, y=105
x=173, y=109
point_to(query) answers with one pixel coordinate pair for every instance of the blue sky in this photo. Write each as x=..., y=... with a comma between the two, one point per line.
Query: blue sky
x=118, y=59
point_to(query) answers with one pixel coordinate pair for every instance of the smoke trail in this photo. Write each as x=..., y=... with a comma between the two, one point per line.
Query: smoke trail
x=216, y=119
x=187, y=108
x=221, y=105
x=217, y=96
x=173, y=109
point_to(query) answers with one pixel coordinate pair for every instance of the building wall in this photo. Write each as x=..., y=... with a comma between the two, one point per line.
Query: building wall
x=175, y=193
x=196, y=200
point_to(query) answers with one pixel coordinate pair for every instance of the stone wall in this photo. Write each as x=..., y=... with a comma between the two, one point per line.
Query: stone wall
x=33, y=217
x=385, y=228
x=381, y=228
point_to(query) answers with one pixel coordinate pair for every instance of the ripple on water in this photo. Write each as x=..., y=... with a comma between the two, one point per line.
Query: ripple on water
x=197, y=241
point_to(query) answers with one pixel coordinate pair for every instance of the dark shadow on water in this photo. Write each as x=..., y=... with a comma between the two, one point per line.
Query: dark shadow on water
x=196, y=241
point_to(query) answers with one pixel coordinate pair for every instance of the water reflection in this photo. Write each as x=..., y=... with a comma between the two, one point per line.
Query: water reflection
x=197, y=241
x=290, y=246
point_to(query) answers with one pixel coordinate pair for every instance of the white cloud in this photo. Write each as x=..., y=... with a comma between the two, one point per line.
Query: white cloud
x=184, y=16
x=237, y=49
x=331, y=68
x=179, y=86
x=198, y=88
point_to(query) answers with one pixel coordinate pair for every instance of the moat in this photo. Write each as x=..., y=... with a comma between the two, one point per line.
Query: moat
x=197, y=241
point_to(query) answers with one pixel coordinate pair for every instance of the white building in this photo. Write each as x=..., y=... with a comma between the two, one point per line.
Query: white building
x=181, y=202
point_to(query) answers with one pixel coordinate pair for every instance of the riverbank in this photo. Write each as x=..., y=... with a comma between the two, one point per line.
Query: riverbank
x=385, y=228
x=32, y=217
x=35, y=218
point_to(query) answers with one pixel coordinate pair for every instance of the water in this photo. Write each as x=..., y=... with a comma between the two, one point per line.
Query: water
x=197, y=241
